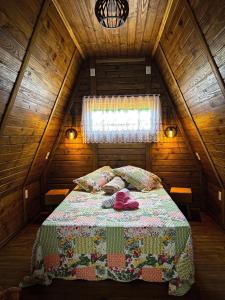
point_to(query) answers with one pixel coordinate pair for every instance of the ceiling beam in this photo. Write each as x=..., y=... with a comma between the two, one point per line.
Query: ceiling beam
x=24, y=65
x=163, y=24
x=190, y=116
x=68, y=27
x=204, y=46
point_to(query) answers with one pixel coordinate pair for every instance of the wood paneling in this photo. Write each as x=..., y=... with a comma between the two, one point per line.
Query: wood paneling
x=193, y=43
x=136, y=37
x=41, y=64
x=171, y=159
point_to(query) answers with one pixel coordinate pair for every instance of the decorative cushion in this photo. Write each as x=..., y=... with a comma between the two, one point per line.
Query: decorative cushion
x=114, y=185
x=93, y=181
x=139, y=178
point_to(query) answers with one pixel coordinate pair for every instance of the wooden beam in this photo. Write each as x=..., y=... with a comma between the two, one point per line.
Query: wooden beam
x=24, y=65
x=190, y=116
x=223, y=207
x=68, y=27
x=119, y=60
x=163, y=24
x=93, y=89
x=46, y=128
x=205, y=46
x=181, y=128
x=61, y=131
x=51, y=115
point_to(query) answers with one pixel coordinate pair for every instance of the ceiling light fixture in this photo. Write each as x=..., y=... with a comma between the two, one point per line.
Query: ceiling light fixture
x=111, y=13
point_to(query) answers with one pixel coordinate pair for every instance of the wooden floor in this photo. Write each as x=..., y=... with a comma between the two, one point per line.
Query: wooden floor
x=209, y=250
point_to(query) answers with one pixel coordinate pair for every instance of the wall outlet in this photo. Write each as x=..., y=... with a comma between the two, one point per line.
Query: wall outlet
x=219, y=195
x=92, y=72
x=148, y=70
x=198, y=156
x=47, y=155
x=26, y=194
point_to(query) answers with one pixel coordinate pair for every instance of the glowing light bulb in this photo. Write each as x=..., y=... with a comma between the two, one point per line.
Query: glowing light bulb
x=170, y=133
x=71, y=135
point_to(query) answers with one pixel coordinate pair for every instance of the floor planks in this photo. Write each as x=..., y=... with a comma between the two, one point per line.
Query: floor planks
x=209, y=250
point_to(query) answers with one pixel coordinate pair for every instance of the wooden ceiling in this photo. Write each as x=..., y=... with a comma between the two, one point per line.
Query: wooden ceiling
x=136, y=37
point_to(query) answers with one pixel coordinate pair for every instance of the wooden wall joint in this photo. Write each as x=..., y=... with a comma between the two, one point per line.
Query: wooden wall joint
x=205, y=46
x=51, y=115
x=68, y=27
x=24, y=65
x=191, y=117
x=93, y=89
x=163, y=24
x=61, y=130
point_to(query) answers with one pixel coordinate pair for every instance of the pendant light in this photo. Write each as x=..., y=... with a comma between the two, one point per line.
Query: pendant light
x=71, y=133
x=111, y=13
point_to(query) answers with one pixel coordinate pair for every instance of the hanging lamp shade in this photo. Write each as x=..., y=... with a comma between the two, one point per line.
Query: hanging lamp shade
x=111, y=13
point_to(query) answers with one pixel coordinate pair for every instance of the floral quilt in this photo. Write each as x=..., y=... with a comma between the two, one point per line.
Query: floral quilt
x=80, y=240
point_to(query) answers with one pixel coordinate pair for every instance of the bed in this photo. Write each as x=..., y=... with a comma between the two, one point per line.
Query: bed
x=81, y=240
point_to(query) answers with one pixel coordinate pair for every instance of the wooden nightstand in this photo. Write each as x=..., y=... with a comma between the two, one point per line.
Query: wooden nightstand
x=182, y=196
x=54, y=197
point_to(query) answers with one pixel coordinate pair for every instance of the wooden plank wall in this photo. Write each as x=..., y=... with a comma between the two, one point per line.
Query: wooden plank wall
x=190, y=65
x=50, y=56
x=170, y=158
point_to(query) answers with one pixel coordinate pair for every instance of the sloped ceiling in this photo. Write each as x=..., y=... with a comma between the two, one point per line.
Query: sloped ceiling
x=136, y=37
x=36, y=80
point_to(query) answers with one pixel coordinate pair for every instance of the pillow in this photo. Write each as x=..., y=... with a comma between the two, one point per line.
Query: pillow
x=113, y=186
x=139, y=178
x=93, y=181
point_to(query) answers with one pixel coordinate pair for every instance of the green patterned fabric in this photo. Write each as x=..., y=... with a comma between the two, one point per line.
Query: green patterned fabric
x=48, y=238
x=141, y=179
x=181, y=238
x=115, y=240
x=93, y=181
x=153, y=245
x=84, y=245
x=80, y=240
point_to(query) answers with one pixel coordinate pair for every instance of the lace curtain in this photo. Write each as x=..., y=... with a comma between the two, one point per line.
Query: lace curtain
x=121, y=119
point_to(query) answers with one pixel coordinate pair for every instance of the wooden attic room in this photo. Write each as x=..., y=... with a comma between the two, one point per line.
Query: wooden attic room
x=112, y=149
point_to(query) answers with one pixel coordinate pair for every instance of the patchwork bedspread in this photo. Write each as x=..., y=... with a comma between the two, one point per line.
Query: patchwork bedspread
x=80, y=240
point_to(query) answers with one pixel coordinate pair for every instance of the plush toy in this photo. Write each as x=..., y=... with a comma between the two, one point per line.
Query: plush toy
x=124, y=201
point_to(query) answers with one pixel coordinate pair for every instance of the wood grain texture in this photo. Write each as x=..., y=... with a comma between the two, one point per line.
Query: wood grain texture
x=67, y=25
x=23, y=67
x=208, y=241
x=190, y=52
x=47, y=59
x=137, y=37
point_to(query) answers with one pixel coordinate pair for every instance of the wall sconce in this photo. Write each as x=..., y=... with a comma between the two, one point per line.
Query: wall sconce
x=170, y=131
x=71, y=133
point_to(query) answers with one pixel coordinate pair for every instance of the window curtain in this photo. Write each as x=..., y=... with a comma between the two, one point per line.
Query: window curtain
x=121, y=119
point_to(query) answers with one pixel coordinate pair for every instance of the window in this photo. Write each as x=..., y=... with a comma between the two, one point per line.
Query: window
x=121, y=119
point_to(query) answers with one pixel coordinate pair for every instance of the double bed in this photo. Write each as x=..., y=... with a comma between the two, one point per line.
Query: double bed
x=81, y=240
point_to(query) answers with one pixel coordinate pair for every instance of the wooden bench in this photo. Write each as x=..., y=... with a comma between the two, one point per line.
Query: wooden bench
x=55, y=197
x=182, y=196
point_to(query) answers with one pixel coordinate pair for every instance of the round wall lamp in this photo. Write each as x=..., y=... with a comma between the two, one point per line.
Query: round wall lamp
x=111, y=13
x=71, y=134
x=170, y=131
